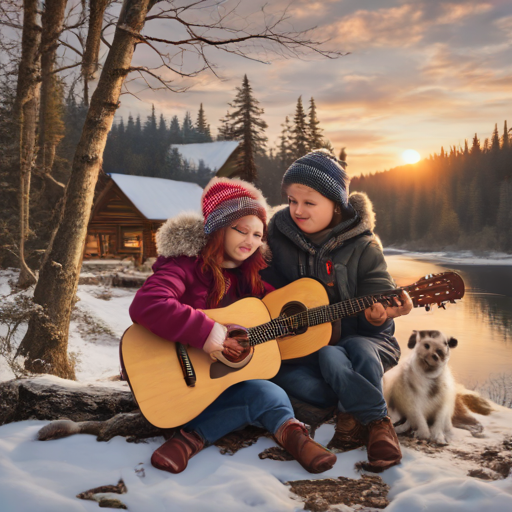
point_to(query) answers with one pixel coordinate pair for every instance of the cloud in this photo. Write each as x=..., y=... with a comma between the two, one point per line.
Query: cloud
x=422, y=74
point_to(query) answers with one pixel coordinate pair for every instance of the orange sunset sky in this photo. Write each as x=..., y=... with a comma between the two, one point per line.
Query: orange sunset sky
x=419, y=74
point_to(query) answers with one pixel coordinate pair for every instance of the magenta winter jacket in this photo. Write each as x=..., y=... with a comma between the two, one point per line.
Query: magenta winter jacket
x=168, y=302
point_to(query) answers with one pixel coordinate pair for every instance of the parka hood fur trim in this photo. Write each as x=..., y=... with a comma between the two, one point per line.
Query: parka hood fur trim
x=184, y=235
x=363, y=208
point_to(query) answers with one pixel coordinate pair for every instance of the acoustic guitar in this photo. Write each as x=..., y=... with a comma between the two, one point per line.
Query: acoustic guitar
x=172, y=383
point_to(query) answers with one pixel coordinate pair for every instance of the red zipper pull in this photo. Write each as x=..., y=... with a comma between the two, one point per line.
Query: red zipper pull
x=328, y=266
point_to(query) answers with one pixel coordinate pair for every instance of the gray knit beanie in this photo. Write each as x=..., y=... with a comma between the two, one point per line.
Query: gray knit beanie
x=321, y=171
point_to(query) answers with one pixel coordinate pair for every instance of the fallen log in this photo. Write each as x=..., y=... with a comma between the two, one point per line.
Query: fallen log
x=110, y=410
x=51, y=398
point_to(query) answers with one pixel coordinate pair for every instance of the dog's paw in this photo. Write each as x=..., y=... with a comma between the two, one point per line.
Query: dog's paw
x=439, y=440
x=439, y=437
x=448, y=435
x=422, y=433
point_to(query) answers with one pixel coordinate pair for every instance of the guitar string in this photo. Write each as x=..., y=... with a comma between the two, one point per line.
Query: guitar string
x=282, y=326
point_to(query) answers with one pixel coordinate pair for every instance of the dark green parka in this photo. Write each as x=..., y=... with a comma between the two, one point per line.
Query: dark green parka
x=349, y=263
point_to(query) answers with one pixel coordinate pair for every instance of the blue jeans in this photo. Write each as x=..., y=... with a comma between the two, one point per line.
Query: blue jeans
x=254, y=402
x=348, y=374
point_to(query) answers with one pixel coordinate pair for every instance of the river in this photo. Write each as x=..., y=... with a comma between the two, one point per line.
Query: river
x=481, y=321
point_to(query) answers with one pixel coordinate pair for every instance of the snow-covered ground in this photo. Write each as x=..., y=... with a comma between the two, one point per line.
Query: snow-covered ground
x=47, y=476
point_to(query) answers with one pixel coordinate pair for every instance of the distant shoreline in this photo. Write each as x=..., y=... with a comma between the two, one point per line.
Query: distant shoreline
x=455, y=257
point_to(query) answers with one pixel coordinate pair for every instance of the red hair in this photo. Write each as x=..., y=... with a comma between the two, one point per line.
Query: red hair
x=213, y=255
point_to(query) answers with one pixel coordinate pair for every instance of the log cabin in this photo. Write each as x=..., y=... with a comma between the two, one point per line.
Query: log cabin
x=130, y=209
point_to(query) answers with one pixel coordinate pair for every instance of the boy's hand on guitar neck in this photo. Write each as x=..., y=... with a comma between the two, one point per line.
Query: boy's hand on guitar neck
x=378, y=314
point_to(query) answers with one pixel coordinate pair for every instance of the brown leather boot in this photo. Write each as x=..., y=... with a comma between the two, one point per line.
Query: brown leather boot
x=349, y=434
x=293, y=436
x=383, y=446
x=174, y=454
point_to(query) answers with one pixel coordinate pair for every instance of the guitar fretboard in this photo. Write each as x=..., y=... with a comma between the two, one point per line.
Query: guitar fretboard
x=286, y=326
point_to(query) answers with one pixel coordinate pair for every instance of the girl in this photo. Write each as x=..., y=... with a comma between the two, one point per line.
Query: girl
x=325, y=235
x=211, y=262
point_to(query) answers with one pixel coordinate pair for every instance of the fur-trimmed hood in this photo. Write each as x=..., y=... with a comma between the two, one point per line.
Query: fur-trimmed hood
x=363, y=221
x=182, y=235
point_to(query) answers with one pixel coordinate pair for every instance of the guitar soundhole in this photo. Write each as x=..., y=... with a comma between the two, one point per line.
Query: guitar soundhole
x=294, y=308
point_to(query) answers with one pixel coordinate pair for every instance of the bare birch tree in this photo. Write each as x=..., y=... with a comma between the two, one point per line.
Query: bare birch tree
x=90, y=61
x=52, y=26
x=26, y=114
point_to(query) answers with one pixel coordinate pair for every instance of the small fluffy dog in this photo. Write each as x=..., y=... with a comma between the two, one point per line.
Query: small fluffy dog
x=421, y=391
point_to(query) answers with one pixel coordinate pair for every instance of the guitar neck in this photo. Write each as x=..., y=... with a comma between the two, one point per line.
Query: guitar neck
x=285, y=326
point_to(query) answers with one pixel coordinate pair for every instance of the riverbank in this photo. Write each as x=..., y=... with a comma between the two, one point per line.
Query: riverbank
x=455, y=257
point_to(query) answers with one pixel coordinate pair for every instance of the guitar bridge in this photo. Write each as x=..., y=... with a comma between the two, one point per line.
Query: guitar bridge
x=186, y=365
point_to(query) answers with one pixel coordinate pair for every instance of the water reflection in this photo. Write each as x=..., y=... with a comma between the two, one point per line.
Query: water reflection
x=494, y=309
x=481, y=321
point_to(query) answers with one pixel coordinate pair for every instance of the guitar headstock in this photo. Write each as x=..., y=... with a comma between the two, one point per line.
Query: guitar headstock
x=436, y=289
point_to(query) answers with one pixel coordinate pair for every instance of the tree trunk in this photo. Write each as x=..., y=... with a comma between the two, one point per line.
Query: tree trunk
x=92, y=45
x=46, y=341
x=26, y=108
x=52, y=19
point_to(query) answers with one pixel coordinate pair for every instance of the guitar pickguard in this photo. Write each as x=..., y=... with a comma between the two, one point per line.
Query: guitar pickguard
x=219, y=370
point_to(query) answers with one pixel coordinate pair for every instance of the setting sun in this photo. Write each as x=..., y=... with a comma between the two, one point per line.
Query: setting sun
x=411, y=156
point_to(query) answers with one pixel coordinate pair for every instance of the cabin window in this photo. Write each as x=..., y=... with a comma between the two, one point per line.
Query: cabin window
x=132, y=239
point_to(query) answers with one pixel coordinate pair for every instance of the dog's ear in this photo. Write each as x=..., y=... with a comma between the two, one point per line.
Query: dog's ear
x=412, y=340
x=452, y=342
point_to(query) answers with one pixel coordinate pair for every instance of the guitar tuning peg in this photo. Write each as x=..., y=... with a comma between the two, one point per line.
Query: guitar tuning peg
x=452, y=301
x=427, y=307
x=442, y=305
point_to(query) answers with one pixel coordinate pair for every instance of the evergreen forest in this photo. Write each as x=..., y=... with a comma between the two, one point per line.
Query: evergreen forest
x=457, y=199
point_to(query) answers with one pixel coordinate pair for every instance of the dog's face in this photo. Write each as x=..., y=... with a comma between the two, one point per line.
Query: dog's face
x=432, y=349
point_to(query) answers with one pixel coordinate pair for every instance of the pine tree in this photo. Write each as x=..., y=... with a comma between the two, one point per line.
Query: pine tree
x=495, y=141
x=300, y=138
x=137, y=133
x=247, y=127
x=149, y=144
x=162, y=128
x=74, y=118
x=505, y=140
x=225, y=131
x=343, y=155
x=314, y=131
x=173, y=165
x=475, y=148
x=162, y=145
x=202, y=127
x=175, y=136
x=187, y=130
x=285, y=153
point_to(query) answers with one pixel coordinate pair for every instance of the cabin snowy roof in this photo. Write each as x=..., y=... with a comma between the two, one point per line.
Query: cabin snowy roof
x=158, y=198
x=213, y=154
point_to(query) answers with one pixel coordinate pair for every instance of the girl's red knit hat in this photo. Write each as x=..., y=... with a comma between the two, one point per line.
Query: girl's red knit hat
x=226, y=200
